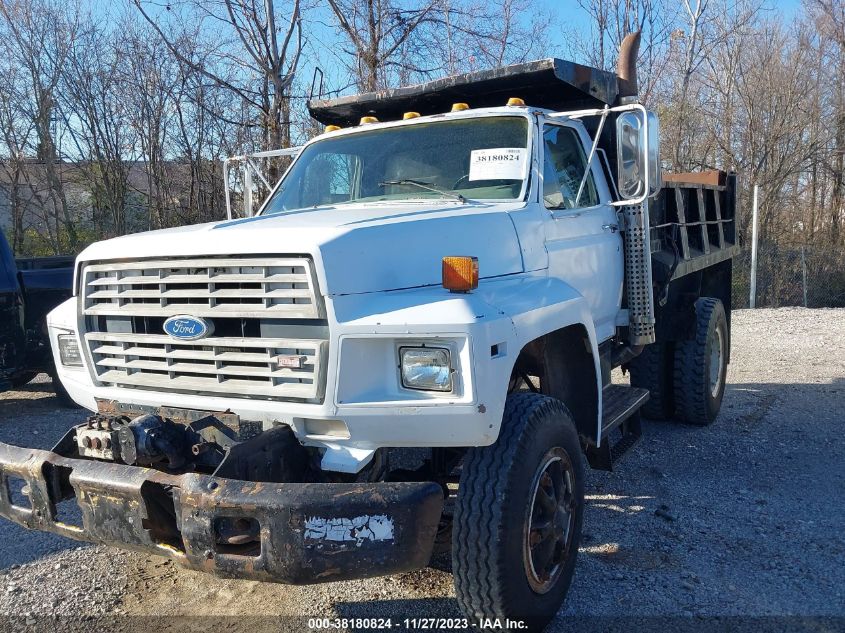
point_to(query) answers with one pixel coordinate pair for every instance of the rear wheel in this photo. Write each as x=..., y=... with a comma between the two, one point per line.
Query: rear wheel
x=518, y=515
x=701, y=365
x=653, y=370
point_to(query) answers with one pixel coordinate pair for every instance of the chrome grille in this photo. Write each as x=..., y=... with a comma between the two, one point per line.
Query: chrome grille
x=231, y=290
x=214, y=365
x=248, y=288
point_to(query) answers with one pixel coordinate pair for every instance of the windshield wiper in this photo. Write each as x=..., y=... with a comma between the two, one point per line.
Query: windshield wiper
x=424, y=185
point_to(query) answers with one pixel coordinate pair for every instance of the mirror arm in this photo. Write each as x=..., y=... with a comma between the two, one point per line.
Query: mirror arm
x=579, y=114
x=592, y=155
x=611, y=178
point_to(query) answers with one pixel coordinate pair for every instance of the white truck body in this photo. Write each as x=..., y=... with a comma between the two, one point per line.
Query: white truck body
x=462, y=282
x=377, y=271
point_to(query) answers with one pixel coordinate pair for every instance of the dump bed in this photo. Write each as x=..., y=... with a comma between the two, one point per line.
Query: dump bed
x=555, y=84
x=693, y=223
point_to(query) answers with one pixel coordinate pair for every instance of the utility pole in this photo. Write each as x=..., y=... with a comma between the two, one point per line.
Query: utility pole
x=752, y=300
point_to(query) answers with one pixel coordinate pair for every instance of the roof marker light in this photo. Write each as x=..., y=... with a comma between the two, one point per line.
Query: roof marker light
x=459, y=107
x=332, y=128
x=410, y=115
x=368, y=119
x=516, y=101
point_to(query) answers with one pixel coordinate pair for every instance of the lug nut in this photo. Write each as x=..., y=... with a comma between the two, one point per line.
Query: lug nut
x=98, y=444
x=86, y=442
x=107, y=443
x=198, y=449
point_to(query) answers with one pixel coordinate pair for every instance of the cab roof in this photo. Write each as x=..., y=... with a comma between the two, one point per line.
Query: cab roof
x=553, y=84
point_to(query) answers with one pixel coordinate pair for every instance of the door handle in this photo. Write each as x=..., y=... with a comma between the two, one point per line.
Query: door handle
x=610, y=227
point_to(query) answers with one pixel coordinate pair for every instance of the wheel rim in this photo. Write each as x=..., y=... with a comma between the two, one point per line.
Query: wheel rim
x=549, y=520
x=716, y=374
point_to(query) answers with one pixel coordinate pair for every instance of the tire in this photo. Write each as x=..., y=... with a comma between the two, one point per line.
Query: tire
x=62, y=395
x=501, y=491
x=700, y=369
x=23, y=378
x=653, y=370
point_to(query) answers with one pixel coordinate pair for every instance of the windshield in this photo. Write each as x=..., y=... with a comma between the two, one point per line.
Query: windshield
x=481, y=158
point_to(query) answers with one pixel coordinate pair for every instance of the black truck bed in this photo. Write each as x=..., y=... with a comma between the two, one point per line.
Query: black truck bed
x=693, y=223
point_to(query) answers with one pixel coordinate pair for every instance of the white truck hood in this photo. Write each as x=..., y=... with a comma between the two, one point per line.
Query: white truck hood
x=357, y=248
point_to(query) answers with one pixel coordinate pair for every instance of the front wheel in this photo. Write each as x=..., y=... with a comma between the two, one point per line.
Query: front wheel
x=518, y=515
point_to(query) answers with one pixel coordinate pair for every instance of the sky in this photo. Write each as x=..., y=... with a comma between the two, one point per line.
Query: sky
x=577, y=18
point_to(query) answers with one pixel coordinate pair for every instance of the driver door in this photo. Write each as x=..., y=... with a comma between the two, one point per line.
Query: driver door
x=583, y=238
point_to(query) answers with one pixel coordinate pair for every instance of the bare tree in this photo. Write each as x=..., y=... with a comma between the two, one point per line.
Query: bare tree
x=17, y=131
x=830, y=20
x=612, y=20
x=492, y=34
x=254, y=45
x=100, y=132
x=380, y=35
x=39, y=34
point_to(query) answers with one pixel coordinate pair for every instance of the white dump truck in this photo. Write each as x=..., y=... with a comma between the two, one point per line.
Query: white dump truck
x=454, y=267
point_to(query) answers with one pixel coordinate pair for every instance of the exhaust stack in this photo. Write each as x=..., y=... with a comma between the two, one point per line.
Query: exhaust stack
x=626, y=67
x=638, y=279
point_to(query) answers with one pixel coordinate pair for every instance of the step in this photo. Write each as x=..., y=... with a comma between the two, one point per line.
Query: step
x=618, y=404
x=621, y=425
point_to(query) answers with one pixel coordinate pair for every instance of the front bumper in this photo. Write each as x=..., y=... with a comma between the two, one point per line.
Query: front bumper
x=308, y=532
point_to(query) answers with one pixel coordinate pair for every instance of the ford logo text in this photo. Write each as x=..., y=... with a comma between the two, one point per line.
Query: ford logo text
x=188, y=328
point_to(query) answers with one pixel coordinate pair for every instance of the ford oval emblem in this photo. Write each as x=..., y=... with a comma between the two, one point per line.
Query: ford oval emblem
x=188, y=328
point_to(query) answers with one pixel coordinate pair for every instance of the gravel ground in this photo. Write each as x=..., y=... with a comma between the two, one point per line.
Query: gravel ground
x=740, y=519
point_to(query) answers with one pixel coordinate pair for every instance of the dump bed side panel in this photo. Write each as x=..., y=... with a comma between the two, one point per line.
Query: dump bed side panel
x=693, y=223
x=693, y=240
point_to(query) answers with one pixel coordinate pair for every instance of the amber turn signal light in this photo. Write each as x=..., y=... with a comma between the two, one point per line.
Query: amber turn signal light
x=460, y=274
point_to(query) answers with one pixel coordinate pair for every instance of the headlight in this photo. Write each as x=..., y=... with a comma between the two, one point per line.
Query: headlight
x=69, y=350
x=426, y=368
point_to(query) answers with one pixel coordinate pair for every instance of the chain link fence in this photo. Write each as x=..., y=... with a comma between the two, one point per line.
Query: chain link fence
x=791, y=275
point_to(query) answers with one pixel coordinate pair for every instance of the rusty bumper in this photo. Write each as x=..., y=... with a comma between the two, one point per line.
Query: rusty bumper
x=303, y=532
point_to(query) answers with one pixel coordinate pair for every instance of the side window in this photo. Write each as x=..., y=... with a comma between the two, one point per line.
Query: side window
x=564, y=163
x=329, y=178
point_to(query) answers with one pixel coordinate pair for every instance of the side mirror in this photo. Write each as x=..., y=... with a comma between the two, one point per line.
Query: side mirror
x=638, y=147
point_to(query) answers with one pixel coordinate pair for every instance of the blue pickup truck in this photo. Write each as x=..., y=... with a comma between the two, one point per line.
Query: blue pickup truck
x=29, y=289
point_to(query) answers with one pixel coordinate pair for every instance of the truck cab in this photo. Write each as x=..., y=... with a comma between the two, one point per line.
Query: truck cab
x=454, y=267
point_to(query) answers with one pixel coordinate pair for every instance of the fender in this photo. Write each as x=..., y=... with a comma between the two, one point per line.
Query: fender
x=513, y=309
x=540, y=305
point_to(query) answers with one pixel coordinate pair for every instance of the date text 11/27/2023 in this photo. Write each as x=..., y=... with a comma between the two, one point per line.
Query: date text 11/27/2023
x=422, y=624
